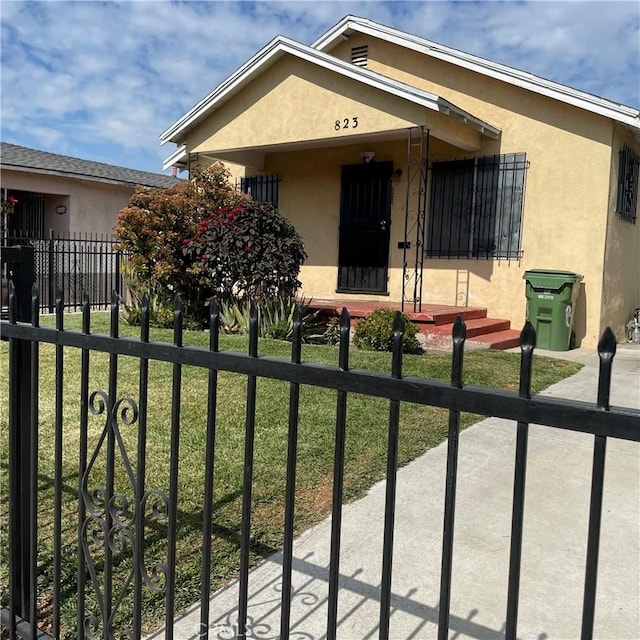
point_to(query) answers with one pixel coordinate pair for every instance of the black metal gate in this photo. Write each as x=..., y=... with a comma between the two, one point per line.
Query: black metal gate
x=72, y=263
x=365, y=219
x=113, y=517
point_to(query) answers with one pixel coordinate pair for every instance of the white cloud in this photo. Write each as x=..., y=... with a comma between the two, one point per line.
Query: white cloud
x=107, y=78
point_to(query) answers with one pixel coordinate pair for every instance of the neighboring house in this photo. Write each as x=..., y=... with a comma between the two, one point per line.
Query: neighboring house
x=76, y=202
x=67, y=195
x=403, y=163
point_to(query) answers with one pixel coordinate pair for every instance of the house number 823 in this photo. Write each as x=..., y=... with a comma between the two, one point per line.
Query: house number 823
x=346, y=123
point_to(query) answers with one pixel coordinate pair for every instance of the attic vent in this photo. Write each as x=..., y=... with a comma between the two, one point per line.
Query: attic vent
x=359, y=55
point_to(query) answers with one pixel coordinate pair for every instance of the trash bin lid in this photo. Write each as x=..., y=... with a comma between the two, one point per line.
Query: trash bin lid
x=550, y=278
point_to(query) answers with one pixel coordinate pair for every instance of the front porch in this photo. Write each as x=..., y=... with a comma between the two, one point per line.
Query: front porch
x=435, y=321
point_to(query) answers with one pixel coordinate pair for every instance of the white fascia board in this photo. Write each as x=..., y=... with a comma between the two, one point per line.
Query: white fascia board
x=336, y=34
x=618, y=112
x=265, y=56
x=178, y=157
x=395, y=87
x=282, y=45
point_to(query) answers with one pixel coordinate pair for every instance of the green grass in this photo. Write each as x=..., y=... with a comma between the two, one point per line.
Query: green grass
x=366, y=439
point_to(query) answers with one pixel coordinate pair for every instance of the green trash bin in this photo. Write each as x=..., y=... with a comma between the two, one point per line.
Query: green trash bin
x=551, y=300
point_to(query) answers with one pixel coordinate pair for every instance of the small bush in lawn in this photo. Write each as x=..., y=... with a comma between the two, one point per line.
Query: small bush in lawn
x=375, y=333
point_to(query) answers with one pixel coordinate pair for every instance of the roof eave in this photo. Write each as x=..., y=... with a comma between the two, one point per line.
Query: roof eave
x=280, y=46
x=174, y=131
x=482, y=127
x=336, y=33
x=71, y=174
x=178, y=158
x=624, y=114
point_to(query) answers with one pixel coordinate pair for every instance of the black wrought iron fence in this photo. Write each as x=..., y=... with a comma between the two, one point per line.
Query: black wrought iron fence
x=73, y=263
x=116, y=512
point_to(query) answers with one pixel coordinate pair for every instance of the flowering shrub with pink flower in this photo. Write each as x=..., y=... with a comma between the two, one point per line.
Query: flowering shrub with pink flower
x=203, y=238
x=246, y=251
x=9, y=204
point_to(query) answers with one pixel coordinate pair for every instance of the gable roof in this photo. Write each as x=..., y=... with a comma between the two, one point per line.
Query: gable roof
x=13, y=156
x=280, y=46
x=349, y=24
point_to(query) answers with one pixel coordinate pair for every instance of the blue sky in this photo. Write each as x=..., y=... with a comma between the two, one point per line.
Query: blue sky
x=102, y=80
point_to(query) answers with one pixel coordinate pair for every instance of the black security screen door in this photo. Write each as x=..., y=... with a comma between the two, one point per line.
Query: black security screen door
x=365, y=209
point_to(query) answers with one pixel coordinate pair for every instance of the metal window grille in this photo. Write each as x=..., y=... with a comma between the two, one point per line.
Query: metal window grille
x=627, y=200
x=476, y=207
x=263, y=188
x=359, y=55
x=28, y=216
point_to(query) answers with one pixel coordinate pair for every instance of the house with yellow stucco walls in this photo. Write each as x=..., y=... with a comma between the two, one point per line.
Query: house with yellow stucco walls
x=418, y=173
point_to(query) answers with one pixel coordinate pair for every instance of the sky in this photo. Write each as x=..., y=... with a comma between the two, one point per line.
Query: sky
x=102, y=80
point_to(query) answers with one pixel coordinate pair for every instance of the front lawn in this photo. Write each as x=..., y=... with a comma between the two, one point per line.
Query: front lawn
x=366, y=440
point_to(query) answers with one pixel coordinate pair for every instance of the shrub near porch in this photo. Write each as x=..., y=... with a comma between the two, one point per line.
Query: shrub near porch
x=245, y=251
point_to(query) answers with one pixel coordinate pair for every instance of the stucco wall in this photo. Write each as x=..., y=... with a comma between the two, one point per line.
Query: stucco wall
x=567, y=193
x=294, y=101
x=310, y=197
x=92, y=207
x=621, y=280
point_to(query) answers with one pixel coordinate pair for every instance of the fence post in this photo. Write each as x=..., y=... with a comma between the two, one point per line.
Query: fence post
x=22, y=274
x=52, y=275
x=119, y=288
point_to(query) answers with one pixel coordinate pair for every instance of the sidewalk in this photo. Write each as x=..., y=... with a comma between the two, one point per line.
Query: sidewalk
x=554, y=546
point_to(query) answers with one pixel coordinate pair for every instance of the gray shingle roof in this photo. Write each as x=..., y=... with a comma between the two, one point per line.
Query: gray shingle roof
x=13, y=156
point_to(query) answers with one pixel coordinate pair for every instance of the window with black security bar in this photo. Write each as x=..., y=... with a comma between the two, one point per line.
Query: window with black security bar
x=263, y=188
x=27, y=219
x=627, y=198
x=476, y=207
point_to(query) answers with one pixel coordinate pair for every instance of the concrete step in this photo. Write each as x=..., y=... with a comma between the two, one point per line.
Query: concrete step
x=496, y=340
x=448, y=315
x=499, y=339
x=475, y=327
x=435, y=322
x=437, y=314
x=482, y=333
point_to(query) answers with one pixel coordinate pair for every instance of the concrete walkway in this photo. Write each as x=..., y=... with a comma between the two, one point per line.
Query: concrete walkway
x=554, y=547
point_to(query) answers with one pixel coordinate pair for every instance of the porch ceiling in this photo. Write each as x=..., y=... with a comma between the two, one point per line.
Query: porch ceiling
x=255, y=156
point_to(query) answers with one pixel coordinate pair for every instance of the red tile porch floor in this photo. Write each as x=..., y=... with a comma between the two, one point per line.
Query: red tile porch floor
x=435, y=321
